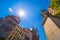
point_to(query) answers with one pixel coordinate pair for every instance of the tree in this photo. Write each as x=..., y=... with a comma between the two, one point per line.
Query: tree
x=55, y=4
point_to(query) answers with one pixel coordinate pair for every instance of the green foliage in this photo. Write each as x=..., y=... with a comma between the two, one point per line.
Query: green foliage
x=55, y=4
x=58, y=11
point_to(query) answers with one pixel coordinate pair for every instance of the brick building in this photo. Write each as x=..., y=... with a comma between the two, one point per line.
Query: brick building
x=31, y=34
x=51, y=11
x=10, y=30
x=51, y=25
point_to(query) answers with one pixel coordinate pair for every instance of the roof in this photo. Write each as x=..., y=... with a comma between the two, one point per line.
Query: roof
x=55, y=19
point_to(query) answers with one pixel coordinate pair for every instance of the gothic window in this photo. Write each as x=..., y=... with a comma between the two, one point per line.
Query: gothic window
x=26, y=38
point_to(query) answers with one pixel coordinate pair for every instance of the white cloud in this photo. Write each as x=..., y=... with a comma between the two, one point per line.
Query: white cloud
x=10, y=9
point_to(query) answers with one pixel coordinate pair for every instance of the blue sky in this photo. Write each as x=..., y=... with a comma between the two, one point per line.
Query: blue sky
x=32, y=16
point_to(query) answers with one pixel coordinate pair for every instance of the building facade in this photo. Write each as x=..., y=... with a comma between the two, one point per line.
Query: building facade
x=31, y=34
x=28, y=34
x=51, y=26
x=10, y=30
x=35, y=36
x=51, y=11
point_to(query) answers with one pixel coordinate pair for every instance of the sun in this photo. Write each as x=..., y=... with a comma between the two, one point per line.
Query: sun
x=21, y=13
